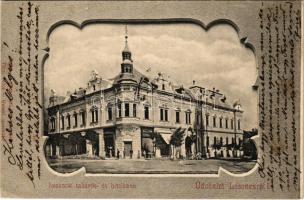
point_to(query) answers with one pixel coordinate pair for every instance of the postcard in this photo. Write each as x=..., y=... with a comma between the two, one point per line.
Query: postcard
x=152, y=99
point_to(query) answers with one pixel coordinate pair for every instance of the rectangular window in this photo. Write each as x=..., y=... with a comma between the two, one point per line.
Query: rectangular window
x=166, y=115
x=53, y=124
x=226, y=123
x=177, y=120
x=96, y=115
x=188, y=117
x=119, y=110
x=221, y=123
x=146, y=112
x=134, y=110
x=214, y=121
x=109, y=113
x=92, y=116
x=62, y=122
x=69, y=121
x=82, y=114
x=231, y=124
x=207, y=120
x=127, y=110
x=161, y=114
x=75, y=120
x=239, y=124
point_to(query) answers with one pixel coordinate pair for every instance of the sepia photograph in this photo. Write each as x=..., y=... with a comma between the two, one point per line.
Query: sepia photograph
x=150, y=99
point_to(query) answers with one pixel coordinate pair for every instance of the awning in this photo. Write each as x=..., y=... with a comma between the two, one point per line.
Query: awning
x=163, y=130
x=166, y=137
x=165, y=134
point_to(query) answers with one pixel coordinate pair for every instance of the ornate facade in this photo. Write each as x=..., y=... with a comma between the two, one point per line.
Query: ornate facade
x=136, y=115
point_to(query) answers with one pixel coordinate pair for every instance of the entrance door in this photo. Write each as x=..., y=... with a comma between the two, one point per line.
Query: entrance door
x=109, y=145
x=128, y=148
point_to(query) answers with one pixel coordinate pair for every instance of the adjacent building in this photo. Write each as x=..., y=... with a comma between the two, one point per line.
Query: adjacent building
x=136, y=115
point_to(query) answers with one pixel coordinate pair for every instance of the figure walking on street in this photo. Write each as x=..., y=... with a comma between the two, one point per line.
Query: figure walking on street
x=118, y=153
x=131, y=153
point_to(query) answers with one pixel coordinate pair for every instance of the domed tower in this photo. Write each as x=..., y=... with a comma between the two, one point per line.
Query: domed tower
x=127, y=63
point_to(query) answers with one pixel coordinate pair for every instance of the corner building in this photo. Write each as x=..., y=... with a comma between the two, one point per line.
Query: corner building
x=136, y=115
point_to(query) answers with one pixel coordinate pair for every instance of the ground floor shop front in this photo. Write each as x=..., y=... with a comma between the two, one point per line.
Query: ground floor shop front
x=135, y=142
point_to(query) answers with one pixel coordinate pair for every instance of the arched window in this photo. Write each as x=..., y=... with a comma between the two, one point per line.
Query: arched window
x=94, y=114
x=110, y=112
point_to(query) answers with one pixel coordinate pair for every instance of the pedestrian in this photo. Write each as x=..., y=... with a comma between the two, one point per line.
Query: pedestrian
x=124, y=153
x=118, y=153
x=131, y=153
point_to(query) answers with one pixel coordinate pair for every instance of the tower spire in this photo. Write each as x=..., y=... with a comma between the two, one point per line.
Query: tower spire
x=126, y=33
x=127, y=64
x=126, y=49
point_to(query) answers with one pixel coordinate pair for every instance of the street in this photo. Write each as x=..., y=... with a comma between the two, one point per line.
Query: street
x=142, y=166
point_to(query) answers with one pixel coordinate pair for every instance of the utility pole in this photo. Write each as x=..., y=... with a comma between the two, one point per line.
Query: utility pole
x=202, y=129
x=234, y=119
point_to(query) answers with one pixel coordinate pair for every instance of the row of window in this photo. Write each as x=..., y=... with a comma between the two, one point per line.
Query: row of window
x=66, y=121
x=221, y=122
x=164, y=116
x=127, y=112
x=219, y=141
x=164, y=113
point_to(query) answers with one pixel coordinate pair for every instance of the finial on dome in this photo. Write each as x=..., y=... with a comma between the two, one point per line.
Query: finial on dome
x=126, y=32
x=126, y=49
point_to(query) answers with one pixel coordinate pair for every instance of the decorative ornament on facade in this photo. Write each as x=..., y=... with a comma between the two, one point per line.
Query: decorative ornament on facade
x=94, y=75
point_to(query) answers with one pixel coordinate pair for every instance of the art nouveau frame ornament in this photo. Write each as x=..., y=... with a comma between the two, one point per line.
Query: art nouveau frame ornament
x=42, y=144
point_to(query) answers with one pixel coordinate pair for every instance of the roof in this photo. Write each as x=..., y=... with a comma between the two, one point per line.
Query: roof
x=134, y=77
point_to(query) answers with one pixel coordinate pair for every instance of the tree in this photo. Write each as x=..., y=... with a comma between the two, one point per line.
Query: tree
x=177, y=138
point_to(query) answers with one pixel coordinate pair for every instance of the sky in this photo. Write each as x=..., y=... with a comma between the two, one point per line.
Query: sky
x=184, y=52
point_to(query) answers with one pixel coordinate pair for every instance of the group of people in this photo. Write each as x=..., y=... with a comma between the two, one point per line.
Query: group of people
x=124, y=153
